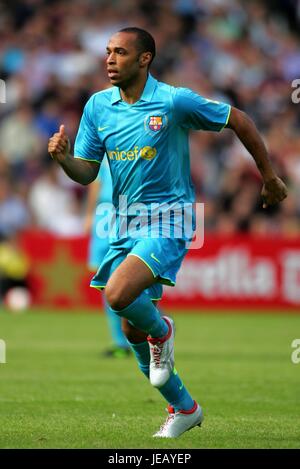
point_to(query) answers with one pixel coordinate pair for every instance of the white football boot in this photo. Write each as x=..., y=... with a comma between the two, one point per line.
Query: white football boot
x=179, y=422
x=162, y=356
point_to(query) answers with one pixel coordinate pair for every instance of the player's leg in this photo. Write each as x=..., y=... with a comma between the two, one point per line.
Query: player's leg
x=173, y=390
x=125, y=294
x=185, y=412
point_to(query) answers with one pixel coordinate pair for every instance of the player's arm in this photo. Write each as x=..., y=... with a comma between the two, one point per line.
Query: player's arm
x=81, y=171
x=92, y=197
x=274, y=190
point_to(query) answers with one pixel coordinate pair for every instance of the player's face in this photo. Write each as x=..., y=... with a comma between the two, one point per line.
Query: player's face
x=123, y=59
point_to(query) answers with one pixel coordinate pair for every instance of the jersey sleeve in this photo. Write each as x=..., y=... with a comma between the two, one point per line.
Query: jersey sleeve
x=192, y=111
x=88, y=145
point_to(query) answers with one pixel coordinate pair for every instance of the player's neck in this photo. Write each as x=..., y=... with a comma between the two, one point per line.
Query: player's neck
x=132, y=92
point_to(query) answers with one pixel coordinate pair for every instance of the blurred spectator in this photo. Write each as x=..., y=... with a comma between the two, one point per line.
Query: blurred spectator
x=19, y=139
x=54, y=207
x=14, y=214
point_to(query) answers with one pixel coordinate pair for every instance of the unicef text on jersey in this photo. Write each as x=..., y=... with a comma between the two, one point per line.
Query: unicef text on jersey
x=138, y=220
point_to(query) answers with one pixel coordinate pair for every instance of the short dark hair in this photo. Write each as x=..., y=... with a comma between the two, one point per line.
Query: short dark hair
x=145, y=42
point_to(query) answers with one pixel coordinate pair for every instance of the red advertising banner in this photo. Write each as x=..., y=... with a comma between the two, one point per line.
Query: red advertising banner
x=231, y=272
x=240, y=271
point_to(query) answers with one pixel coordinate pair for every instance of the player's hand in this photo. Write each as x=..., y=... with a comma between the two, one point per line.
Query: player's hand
x=59, y=145
x=273, y=191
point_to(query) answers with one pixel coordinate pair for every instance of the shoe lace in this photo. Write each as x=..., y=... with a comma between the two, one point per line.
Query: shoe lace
x=168, y=420
x=157, y=350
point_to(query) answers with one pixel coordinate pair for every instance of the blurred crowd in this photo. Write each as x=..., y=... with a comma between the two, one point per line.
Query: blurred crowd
x=52, y=58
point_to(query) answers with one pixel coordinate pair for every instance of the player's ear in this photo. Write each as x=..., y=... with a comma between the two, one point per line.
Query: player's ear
x=145, y=59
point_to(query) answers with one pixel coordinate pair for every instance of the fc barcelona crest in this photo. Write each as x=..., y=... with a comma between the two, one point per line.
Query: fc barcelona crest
x=155, y=122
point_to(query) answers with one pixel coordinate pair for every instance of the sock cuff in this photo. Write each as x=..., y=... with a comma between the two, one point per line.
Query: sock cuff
x=120, y=312
x=161, y=340
x=171, y=409
x=190, y=411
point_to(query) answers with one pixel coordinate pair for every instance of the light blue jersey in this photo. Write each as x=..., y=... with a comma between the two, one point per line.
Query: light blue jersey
x=104, y=177
x=147, y=142
x=148, y=153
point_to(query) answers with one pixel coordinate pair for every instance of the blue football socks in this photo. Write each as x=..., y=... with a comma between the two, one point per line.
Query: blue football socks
x=174, y=390
x=142, y=354
x=143, y=315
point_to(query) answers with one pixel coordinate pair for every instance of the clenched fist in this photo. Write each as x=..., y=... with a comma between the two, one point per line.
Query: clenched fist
x=59, y=145
x=273, y=191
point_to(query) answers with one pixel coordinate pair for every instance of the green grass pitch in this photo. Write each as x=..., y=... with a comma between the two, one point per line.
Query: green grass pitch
x=56, y=391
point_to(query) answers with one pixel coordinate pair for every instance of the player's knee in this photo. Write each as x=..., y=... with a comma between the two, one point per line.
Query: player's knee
x=115, y=298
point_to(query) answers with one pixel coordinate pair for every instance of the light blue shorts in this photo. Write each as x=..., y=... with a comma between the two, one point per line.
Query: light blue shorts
x=163, y=256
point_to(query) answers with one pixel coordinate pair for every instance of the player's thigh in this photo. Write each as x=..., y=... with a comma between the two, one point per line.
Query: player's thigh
x=127, y=282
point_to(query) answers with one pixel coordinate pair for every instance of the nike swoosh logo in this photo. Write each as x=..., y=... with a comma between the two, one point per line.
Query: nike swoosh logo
x=100, y=129
x=153, y=257
x=180, y=387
